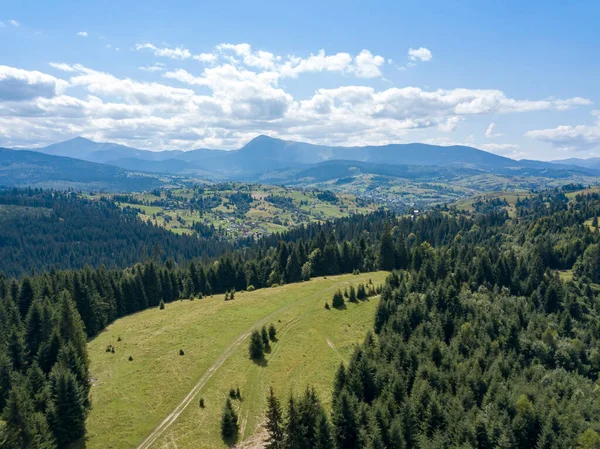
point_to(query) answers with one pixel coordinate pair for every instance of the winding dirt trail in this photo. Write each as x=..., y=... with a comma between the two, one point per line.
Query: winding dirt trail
x=172, y=417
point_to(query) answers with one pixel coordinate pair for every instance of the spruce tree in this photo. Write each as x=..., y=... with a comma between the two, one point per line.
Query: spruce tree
x=67, y=410
x=229, y=423
x=274, y=425
x=256, y=348
x=265, y=338
x=338, y=300
x=272, y=332
x=294, y=431
x=387, y=256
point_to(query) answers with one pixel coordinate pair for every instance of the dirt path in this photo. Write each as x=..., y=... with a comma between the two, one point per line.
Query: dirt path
x=172, y=417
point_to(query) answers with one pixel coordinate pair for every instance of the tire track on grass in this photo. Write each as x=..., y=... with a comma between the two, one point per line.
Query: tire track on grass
x=172, y=417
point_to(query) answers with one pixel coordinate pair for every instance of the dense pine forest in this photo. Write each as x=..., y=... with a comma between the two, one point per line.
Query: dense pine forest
x=477, y=340
x=43, y=229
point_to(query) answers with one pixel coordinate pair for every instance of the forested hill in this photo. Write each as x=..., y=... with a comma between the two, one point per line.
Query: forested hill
x=43, y=229
x=476, y=344
x=477, y=341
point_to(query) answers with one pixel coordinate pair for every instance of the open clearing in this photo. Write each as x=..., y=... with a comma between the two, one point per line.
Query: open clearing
x=132, y=398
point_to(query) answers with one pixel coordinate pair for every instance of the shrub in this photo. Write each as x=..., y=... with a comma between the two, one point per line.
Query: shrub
x=201, y=402
x=232, y=393
x=181, y=352
x=251, y=288
x=161, y=305
x=130, y=359
x=327, y=306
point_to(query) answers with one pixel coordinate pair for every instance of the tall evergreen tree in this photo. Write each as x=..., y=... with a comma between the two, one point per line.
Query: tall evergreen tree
x=229, y=423
x=274, y=425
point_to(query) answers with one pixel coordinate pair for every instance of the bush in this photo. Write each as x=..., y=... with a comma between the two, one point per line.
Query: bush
x=181, y=352
x=201, y=402
x=232, y=393
x=250, y=288
x=327, y=306
x=130, y=359
x=161, y=305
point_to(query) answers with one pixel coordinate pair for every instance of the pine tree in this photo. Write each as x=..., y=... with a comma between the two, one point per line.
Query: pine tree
x=272, y=332
x=256, y=348
x=345, y=422
x=67, y=410
x=338, y=300
x=274, y=425
x=294, y=432
x=265, y=338
x=229, y=423
x=387, y=256
x=26, y=294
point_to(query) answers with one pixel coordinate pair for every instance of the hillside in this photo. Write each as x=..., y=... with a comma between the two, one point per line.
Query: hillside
x=131, y=398
x=234, y=210
x=33, y=169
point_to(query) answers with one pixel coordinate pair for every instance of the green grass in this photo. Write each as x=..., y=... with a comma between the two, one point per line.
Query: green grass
x=131, y=398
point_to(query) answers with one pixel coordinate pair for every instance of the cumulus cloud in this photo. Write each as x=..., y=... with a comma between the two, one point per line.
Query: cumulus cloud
x=237, y=93
x=504, y=149
x=367, y=65
x=15, y=23
x=20, y=85
x=82, y=34
x=205, y=57
x=419, y=54
x=489, y=132
x=570, y=138
x=173, y=53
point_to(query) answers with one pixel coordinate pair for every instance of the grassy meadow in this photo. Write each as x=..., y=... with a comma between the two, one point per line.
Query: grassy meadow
x=131, y=398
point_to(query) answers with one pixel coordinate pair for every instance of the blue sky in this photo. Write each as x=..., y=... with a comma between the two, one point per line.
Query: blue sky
x=515, y=78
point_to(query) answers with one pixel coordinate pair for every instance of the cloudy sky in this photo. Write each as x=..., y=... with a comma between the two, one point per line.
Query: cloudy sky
x=515, y=78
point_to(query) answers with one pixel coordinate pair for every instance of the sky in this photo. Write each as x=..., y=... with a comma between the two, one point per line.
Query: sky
x=515, y=78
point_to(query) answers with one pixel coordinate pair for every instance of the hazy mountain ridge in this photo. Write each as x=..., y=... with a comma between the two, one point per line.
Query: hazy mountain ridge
x=29, y=168
x=263, y=154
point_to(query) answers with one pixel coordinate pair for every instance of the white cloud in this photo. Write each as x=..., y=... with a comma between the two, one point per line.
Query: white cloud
x=62, y=66
x=570, y=138
x=173, y=53
x=15, y=23
x=82, y=34
x=419, y=54
x=367, y=65
x=489, y=132
x=205, y=57
x=157, y=67
x=20, y=85
x=238, y=93
x=504, y=149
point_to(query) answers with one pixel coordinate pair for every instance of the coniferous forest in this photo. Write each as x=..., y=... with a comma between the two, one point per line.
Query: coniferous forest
x=485, y=336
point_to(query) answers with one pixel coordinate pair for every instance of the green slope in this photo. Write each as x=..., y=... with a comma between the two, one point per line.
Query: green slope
x=132, y=398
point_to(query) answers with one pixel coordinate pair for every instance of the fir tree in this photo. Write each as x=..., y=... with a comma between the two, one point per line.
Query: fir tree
x=272, y=332
x=67, y=410
x=229, y=423
x=256, y=348
x=274, y=425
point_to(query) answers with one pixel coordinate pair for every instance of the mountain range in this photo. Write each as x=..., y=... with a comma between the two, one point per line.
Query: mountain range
x=267, y=159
